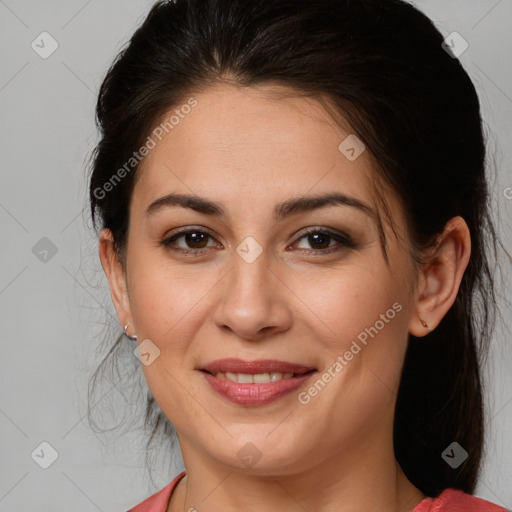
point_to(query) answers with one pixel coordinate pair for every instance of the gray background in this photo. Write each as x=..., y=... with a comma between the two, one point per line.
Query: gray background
x=54, y=313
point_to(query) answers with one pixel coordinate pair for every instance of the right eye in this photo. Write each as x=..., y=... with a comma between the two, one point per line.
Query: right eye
x=195, y=241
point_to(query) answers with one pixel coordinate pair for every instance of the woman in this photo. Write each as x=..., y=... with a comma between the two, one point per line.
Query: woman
x=294, y=215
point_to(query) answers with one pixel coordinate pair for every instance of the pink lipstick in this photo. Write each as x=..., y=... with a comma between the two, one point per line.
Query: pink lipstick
x=253, y=383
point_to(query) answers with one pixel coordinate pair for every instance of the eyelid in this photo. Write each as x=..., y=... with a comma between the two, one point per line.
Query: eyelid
x=320, y=229
x=191, y=229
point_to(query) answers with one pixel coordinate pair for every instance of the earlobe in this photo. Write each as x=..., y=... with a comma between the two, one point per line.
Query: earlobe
x=441, y=277
x=115, y=275
x=425, y=324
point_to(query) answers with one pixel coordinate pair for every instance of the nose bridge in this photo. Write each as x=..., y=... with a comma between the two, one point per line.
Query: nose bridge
x=249, y=281
x=250, y=301
x=250, y=269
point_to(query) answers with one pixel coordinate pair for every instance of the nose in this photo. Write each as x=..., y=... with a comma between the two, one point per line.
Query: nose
x=254, y=302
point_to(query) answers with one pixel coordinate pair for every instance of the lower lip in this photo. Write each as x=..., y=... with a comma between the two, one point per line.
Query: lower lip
x=255, y=394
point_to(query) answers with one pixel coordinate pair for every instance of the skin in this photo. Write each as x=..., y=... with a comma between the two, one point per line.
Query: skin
x=248, y=150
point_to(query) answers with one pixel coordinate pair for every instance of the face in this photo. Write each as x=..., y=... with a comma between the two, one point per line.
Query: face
x=267, y=276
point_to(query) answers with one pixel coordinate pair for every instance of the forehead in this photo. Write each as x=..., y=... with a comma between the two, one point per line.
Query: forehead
x=254, y=138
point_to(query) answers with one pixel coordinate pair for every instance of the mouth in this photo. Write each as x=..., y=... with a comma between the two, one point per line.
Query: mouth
x=252, y=383
x=257, y=378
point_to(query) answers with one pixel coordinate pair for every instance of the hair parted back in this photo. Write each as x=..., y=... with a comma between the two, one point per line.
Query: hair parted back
x=381, y=67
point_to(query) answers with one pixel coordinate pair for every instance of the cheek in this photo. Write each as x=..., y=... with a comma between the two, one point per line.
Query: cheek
x=362, y=316
x=165, y=299
x=346, y=304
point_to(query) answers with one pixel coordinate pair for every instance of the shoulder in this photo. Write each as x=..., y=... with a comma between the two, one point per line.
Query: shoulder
x=454, y=500
x=159, y=501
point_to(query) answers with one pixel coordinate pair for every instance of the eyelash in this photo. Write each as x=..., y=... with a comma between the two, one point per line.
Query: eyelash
x=345, y=240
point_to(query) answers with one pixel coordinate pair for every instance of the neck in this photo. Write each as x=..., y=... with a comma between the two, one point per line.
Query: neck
x=365, y=478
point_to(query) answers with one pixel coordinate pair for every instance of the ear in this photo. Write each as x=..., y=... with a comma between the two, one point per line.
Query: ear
x=441, y=276
x=116, y=277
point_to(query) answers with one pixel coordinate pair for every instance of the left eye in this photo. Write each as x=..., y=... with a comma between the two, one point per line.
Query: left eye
x=321, y=240
x=317, y=240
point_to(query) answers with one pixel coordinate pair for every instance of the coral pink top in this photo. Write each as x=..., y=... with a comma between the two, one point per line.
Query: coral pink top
x=450, y=500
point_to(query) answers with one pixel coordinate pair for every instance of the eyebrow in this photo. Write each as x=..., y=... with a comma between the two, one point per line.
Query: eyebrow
x=281, y=210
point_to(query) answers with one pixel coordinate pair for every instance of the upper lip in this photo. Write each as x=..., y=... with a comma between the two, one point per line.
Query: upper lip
x=252, y=367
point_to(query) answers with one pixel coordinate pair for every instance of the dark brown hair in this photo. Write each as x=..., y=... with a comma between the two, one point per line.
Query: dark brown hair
x=382, y=67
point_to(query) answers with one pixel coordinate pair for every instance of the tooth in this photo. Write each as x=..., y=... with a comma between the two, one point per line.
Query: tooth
x=261, y=378
x=233, y=377
x=258, y=378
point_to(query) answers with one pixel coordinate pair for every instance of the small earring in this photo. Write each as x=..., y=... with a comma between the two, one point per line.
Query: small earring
x=133, y=338
x=424, y=324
